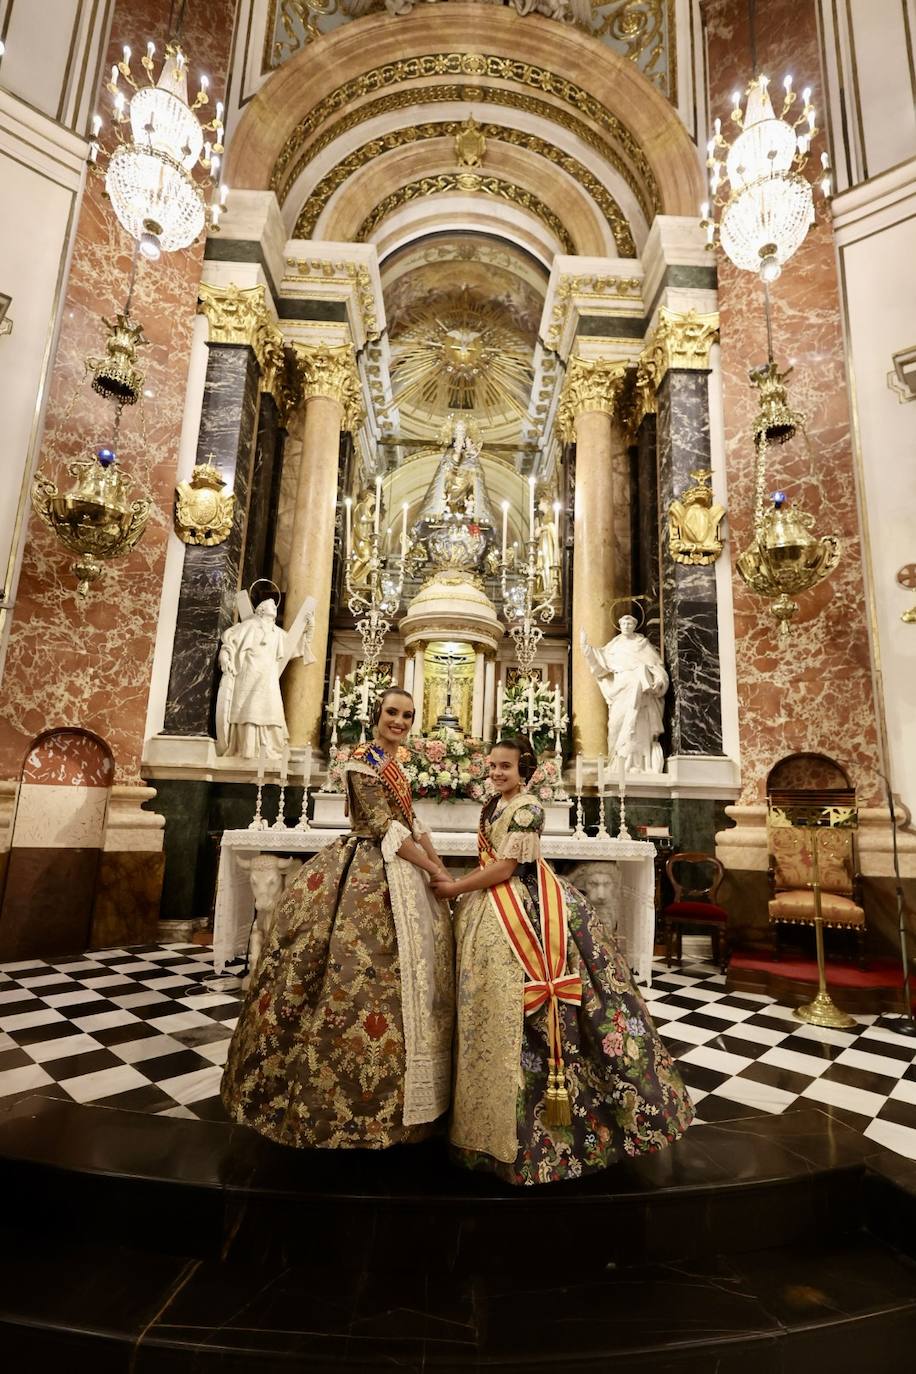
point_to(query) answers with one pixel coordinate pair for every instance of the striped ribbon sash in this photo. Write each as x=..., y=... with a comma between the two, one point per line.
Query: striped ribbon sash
x=543, y=960
x=392, y=778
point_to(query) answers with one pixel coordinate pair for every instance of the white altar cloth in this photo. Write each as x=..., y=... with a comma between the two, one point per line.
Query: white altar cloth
x=633, y=901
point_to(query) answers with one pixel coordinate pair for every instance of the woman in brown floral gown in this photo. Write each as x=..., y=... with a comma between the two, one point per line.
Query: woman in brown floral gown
x=344, y=1040
x=559, y=1070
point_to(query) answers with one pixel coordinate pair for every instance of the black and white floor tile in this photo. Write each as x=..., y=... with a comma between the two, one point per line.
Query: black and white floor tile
x=147, y=1029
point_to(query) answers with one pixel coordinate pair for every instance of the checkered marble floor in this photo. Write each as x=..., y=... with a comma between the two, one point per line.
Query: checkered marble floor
x=147, y=1029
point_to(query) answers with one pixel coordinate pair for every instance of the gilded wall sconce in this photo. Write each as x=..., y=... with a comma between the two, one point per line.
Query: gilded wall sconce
x=205, y=508
x=693, y=523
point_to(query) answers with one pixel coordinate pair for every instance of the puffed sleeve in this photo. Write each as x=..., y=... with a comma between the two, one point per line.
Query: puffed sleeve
x=370, y=808
x=523, y=840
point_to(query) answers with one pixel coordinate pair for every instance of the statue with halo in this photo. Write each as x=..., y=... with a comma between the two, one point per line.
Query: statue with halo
x=633, y=682
x=250, y=720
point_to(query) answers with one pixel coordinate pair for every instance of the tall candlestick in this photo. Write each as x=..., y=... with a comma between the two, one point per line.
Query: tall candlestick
x=336, y=707
x=499, y=706
x=578, y=775
x=505, y=527
x=284, y=764
x=600, y=775
x=260, y=762
x=556, y=708
x=378, y=504
x=364, y=708
x=622, y=773
x=404, y=530
x=530, y=707
x=531, y=483
x=348, y=507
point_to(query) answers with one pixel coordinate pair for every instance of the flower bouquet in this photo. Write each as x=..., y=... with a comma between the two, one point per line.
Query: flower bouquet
x=447, y=767
x=356, y=702
x=529, y=711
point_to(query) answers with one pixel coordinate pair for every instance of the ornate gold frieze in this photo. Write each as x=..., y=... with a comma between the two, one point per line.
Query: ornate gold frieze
x=693, y=523
x=322, y=272
x=448, y=181
x=411, y=69
x=593, y=288
x=591, y=384
x=400, y=138
x=239, y=315
x=679, y=341
x=326, y=370
x=204, y=508
x=453, y=93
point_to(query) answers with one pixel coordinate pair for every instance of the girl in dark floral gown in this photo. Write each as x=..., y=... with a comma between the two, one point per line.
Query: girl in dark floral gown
x=559, y=1069
x=344, y=1040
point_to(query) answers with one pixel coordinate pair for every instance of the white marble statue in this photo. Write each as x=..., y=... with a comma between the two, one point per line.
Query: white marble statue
x=253, y=654
x=633, y=682
x=600, y=882
x=269, y=875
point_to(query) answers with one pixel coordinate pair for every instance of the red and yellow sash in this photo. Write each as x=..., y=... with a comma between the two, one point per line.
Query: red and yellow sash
x=391, y=775
x=544, y=962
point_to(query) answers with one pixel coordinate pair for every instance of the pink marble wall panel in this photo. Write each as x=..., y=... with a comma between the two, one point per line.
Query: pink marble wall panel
x=813, y=692
x=91, y=666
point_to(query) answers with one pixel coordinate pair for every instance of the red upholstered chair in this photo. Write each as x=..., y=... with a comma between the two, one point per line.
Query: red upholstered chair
x=694, y=905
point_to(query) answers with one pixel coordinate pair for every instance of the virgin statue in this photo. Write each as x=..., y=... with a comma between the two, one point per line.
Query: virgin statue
x=344, y=1040
x=633, y=682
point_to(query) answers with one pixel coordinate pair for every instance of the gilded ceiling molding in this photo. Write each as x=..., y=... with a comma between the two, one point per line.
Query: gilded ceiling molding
x=455, y=181
x=492, y=95
x=323, y=273
x=679, y=341
x=591, y=384
x=467, y=64
x=330, y=371
x=518, y=138
x=595, y=288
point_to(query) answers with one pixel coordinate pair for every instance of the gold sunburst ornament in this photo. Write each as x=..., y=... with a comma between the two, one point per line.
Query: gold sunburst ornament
x=459, y=353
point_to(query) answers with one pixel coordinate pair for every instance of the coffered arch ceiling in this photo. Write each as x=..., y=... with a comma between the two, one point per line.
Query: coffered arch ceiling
x=356, y=134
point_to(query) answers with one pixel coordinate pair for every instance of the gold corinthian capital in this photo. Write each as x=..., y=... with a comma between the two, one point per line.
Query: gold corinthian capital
x=591, y=384
x=239, y=315
x=679, y=341
x=330, y=371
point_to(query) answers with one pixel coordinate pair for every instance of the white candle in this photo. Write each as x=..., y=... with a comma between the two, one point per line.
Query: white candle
x=556, y=523
x=284, y=764
x=499, y=706
x=348, y=504
x=336, y=707
x=556, y=708
x=307, y=770
x=530, y=707
x=260, y=762
x=578, y=775
x=600, y=776
x=404, y=529
x=531, y=482
x=622, y=773
x=505, y=527
x=364, y=712
x=378, y=503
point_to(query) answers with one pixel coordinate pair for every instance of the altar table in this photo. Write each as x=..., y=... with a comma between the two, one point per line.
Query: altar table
x=633, y=900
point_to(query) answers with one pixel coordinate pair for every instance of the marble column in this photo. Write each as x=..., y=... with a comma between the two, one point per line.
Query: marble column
x=330, y=392
x=648, y=574
x=477, y=710
x=590, y=396
x=408, y=675
x=489, y=699
x=418, y=688
x=210, y=577
x=265, y=491
x=689, y=606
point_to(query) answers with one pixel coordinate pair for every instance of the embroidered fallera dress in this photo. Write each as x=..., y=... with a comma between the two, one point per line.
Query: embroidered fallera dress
x=344, y=1040
x=550, y=1026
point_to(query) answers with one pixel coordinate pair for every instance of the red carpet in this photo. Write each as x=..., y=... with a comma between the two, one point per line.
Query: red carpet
x=877, y=973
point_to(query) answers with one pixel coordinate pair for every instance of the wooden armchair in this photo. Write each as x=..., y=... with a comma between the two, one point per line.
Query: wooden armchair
x=791, y=869
x=695, y=905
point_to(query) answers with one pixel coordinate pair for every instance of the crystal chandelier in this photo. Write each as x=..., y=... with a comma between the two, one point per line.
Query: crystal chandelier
x=756, y=184
x=150, y=177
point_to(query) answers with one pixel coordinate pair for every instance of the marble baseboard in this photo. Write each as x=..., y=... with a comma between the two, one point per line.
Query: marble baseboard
x=128, y=893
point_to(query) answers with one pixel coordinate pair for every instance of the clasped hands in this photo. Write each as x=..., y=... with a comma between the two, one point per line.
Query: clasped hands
x=444, y=887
